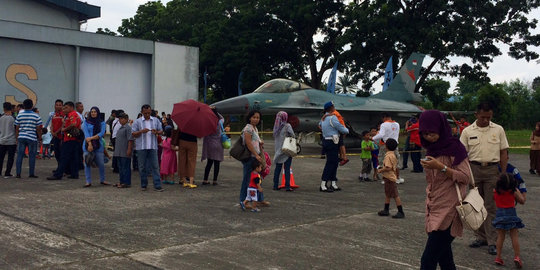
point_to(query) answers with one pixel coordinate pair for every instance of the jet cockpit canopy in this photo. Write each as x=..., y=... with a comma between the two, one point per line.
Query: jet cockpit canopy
x=281, y=86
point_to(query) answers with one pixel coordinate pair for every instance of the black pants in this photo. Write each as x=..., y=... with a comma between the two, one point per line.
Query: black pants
x=10, y=149
x=438, y=251
x=69, y=162
x=209, y=166
x=415, y=157
x=57, y=146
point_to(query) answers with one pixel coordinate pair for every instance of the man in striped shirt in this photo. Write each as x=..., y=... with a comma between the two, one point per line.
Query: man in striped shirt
x=28, y=127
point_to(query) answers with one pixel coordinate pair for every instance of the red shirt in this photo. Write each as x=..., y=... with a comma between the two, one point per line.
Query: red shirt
x=462, y=126
x=57, y=120
x=72, y=117
x=415, y=135
x=504, y=200
x=254, y=180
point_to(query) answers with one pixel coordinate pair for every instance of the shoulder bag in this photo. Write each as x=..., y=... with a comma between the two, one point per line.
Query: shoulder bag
x=225, y=140
x=239, y=151
x=471, y=210
x=289, y=146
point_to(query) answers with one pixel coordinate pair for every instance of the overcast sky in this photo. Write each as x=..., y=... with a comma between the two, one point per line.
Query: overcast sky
x=504, y=68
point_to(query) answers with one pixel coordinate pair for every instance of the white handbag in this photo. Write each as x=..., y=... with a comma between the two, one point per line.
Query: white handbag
x=471, y=210
x=289, y=146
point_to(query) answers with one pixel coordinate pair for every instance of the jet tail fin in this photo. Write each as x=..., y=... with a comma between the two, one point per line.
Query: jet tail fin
x=402, y=87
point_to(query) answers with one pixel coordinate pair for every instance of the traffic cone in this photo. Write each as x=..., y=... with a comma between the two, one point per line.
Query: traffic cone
x=293, y=185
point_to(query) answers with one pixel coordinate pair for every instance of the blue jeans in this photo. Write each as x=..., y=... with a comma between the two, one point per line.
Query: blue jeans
x=32, y=146
x=124, y=169
x=277, y=173
x=332, y=161
x=148, y=164
x=245, y=180
x=99, y=162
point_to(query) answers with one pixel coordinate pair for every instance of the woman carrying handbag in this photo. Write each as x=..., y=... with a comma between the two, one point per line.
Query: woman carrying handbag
x=282, y=130
x=446, y=164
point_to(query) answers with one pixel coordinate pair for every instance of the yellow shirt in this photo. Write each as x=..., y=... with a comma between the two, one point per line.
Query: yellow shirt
x=391, y=161
x=484, y=143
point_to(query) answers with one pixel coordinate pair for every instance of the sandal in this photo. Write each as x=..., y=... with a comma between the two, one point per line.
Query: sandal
x=123, y=186
x=518, y=262
x=87, y=185
x=105, y=183
x=499, y=261
x=117, y=185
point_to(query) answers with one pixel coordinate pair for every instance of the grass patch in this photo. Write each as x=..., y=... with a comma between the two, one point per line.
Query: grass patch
x=519, y=141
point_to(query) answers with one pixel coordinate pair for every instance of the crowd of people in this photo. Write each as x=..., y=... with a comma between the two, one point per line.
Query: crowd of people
x=162, y=152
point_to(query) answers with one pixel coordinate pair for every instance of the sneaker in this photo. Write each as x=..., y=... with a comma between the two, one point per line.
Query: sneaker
x=531, y=171
x=143, y=189
x=517, y=262
x=400, y=181
x=18, y=176
x=7, y=176
x=499, y=261
x=343, y=162
x=159, y=189
x=492, y=250
x=33, y=176
x=242, y=206
x=255, y=210
x=367, y=179
x=360, y=178
x=478, y=243
x=382, y=182
x=399, y=215
x=383, y=213
x=403, y=168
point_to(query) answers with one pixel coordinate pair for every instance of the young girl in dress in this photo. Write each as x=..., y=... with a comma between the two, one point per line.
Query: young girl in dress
x=168, y=158
x=506, y=194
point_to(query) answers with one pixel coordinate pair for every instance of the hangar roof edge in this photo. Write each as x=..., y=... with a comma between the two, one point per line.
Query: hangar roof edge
x=86, y=11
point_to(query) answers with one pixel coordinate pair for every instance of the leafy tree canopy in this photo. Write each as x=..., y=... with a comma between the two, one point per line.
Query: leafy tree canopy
x=302, y=39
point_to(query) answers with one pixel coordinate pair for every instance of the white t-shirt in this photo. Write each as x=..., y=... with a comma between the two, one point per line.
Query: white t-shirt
x=389, y=129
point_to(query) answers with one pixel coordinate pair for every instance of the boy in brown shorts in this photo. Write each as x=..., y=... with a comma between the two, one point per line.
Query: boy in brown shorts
x=389, y=173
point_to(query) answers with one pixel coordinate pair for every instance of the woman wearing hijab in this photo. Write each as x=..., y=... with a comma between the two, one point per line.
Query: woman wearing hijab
x=282, y=129
x=446, y=164
x=94, y=128
x=534, y=154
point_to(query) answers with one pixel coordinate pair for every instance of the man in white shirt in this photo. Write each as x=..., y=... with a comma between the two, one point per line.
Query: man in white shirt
x=389, y=129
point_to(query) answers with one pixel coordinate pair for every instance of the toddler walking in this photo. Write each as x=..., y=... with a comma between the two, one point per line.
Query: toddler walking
x=506, y=194
x=46, y=139
x=254, y=188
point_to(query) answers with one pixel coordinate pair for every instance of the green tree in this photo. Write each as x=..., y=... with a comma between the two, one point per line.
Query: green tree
x=378, y=29
x=436, y=90
x=346, y=85
x=105, y=31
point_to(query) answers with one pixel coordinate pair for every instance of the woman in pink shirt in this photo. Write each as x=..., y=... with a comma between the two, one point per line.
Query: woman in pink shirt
x=446, y=163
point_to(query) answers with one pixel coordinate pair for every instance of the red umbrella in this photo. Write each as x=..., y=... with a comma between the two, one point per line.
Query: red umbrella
x=194, y=118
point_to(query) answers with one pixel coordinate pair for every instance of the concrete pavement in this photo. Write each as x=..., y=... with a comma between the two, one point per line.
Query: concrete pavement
x=60, y=225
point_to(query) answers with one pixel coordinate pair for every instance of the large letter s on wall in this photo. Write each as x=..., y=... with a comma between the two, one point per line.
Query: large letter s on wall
x=11, y=73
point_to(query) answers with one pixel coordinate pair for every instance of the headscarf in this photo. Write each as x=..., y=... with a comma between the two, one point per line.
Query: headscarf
x=96, y=122
x=536, y=131
x=434, y=121
x=281, y=120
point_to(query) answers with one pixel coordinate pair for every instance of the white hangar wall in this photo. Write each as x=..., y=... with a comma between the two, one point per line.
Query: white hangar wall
x=175, y=75
x=114, y=80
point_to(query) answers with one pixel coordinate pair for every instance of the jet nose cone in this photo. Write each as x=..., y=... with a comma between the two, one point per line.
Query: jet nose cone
x=236, y=105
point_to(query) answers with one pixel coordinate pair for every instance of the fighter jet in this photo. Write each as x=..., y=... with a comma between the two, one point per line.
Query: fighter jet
x=304, y=104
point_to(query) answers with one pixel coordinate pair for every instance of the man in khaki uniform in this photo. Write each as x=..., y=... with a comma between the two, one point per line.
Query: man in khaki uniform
x=487, y=146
